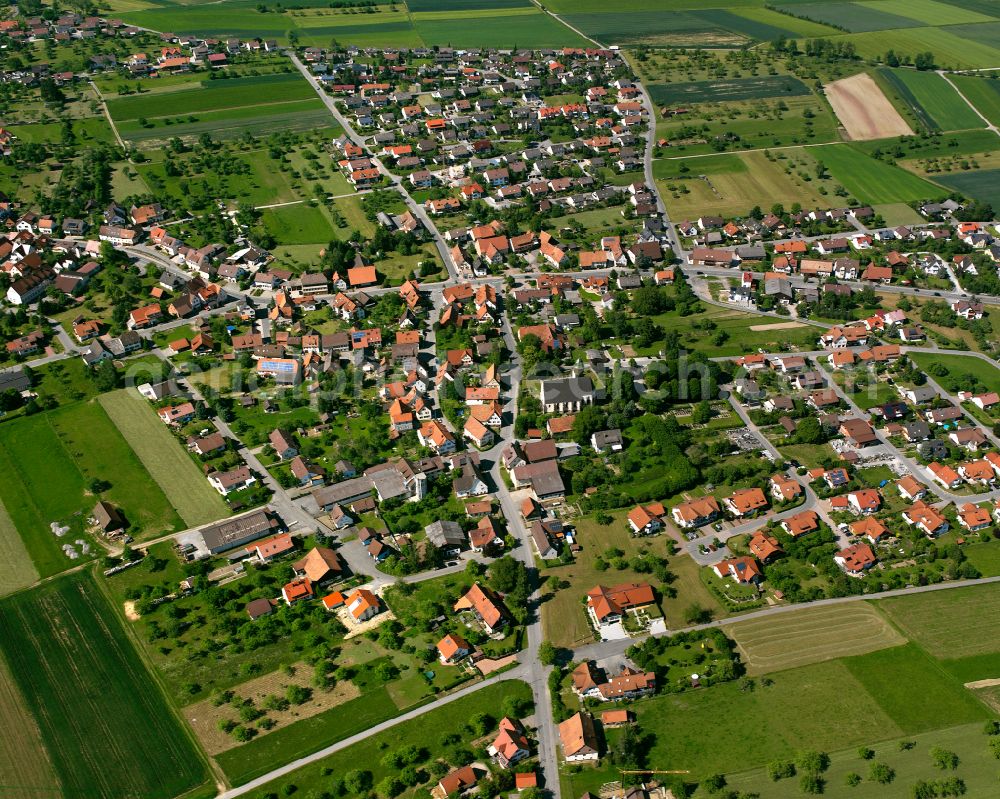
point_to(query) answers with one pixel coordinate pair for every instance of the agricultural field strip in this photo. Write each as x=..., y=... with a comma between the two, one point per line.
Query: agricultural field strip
x=108, y=733
x=164, y=459
x=16, y=567
x=24, y=762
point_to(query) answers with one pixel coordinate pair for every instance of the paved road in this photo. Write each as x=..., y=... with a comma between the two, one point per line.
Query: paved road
x=518, y=673
x=415, y=208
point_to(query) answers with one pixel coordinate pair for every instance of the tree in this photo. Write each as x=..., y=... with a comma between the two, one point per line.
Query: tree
x=547, y=653
x=702, y=413
x=812, y=784
x=780, y=769
x=696, y=614
x=944, y=759
x=881, y=773
x=812, y=762
x=714, y=783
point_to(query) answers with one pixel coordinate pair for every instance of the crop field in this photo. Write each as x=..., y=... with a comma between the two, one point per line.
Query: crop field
x=24, y=762
x=503, y=28
x=730, y=184
x=167, y=463
x=870, y=181
x=53, y=455
x=932, y=99
x=102, y=719
x=416, y=6
x=950, y=49
x=809, y=636
x=982, y=185
x=653, y=28
x=225, y=107
x=853, y=17
x=864, y=110
x=958, y=623
x=707, y=91
x=983, y=93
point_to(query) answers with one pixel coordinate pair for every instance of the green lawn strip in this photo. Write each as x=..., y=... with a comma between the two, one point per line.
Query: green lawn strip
x=108, y=730
x=974, y=667
x=425, y=731
x=163, y=457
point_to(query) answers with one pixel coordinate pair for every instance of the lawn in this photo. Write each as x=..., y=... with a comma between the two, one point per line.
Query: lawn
x=985, y=557
x=107, y=728
x=298, y=224
x=429, y=731
x=932, y=99
x=53, y=456
x=811, y=635
x=733, y=332
x=564, y=616
x=958, y=366
x=872, y=181
x=977, y=768
x=161, y=453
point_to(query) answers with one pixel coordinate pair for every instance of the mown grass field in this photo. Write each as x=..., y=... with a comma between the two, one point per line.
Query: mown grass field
x=107, y=728
x=932, y=99
x=812, y=635
x=50, y=458
x=870, y=181
x=167, y=463
x=977, y=768
x=958, y=623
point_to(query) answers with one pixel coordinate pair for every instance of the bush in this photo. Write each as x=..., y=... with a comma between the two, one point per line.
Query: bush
x=780, y=769
x=811, y=784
